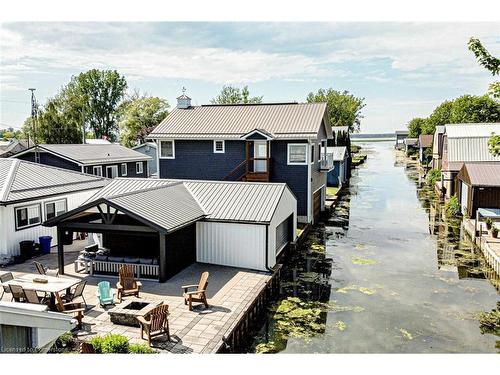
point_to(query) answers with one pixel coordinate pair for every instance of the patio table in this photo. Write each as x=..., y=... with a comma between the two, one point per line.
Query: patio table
x=53, y=285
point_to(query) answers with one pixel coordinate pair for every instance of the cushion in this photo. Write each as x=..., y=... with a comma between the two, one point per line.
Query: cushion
x=115, y=259
x=101, y=257
x=131, y=260
x=146, y=260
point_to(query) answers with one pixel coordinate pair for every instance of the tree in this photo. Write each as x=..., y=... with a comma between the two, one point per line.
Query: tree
x=57, y=126
x=440, y=116
x=494, y=145
x=415, y=127
x=234, y=95
x=489, y=62
x=344, y=109
x=138, y=117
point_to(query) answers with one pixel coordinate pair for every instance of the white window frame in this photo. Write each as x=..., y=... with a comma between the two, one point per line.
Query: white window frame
x=45, y=211
x=288, y=154
x=27, y=207
x=137, y=169
x=98, y=168
x=173, y=149
x=121, y=169
x=223, y=146
x=111, y=167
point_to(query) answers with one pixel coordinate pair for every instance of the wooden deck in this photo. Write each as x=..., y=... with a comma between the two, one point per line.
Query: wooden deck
x=231, y=293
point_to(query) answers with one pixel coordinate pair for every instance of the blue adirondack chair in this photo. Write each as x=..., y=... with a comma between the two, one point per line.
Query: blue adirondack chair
x=105, y=294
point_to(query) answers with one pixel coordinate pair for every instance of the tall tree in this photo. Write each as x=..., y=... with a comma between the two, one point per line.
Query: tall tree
x=415, y=127
x=344, y=109
x=234, y=95
x=440, y=116
x=138, y=117
x=488, y=61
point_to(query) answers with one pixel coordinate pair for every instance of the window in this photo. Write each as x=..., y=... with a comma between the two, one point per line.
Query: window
x=112, y=171
x=97, y=170
x=56, y=208
x=124, y=169
x=219, y=147
x=28, y=216
x=297, y=153
x=167, y=149
x=138, y=167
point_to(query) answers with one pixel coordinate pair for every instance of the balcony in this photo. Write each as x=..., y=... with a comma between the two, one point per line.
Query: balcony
x=326, y=163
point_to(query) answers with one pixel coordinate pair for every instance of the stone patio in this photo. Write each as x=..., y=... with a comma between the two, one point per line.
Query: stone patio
x=229, y=292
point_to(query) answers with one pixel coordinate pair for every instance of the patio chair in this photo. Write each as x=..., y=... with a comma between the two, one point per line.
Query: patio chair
x=77, y=292
x=105, y=294
x=197, y=295
x=70, y=308
x=31, y=296
x=127, y=284
x=17, y=293
x=155, y=323
x=42, y=270
x=3, y=279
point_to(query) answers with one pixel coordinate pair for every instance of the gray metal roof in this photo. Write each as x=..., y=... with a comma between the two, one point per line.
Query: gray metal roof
x=290, y=120
x=23, y=180
x=220, y=200
x=472, y=130
x=339, y=153
x=469, y=149
x=87, y=154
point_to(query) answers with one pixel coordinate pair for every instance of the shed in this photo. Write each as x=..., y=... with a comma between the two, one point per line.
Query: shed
x=173, y=223
x=339, y=174
x=424, y=142
x=478, y=186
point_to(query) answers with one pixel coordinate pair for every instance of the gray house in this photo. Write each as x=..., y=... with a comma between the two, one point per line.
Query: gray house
x=273, y=142
x=149, y=149
x=107, y=160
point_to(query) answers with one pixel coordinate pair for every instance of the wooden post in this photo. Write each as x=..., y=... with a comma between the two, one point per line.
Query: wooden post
x=60, y=250
x=163, y=258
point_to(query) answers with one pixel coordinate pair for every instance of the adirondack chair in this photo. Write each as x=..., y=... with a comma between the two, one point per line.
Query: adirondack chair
x=70, y=308
x=197, y=295
x=155, y=323
x=105, y=294
x=42, y=270
x=127, y=284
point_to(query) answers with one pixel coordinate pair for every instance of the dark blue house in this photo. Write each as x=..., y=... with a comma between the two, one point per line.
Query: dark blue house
x=275, y=142
x=107, y=160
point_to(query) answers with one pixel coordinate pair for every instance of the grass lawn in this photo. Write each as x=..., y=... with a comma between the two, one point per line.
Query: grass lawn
x=331, y=190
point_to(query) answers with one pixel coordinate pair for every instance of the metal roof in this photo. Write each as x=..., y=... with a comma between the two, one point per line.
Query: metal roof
x=425, y=140
x=472, y=130
x=220, y=200
x=339, y=153
x=462, y=149
x=22, y=180
x=87, y=154
x=290, y=120
x=410, y=141
x=481, y=174
x=401, y=132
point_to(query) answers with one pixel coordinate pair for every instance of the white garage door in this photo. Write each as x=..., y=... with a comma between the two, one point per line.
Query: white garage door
x=228, y=244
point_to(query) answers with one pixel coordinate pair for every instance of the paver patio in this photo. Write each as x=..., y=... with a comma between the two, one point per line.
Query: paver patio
x=230, y=291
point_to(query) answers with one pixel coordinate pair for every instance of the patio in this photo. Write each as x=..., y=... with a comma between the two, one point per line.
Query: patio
x=230, y=292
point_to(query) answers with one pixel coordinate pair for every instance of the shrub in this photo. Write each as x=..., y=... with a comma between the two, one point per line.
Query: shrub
x=452, y=207
x=494, y=232
x=433, y=176
x=113, y=343
x=65, y=342
x=97, y=343
x=140, y=349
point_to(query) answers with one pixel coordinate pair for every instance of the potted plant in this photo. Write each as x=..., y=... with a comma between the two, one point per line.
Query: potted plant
x=489, y=223
x=494, y=232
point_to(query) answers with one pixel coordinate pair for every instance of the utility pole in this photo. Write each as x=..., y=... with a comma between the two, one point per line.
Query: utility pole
x=34, y=118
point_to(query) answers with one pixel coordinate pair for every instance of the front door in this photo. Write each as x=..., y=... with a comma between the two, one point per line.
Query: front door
x=260, y=151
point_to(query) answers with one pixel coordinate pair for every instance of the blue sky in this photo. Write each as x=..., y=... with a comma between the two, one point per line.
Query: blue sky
x=403, y=70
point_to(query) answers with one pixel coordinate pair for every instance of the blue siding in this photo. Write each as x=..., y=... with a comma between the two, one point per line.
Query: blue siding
x=333, y=175
x=196, y=160
x=52, y=160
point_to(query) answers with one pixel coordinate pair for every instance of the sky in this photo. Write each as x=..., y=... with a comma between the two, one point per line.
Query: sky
x=403, y=70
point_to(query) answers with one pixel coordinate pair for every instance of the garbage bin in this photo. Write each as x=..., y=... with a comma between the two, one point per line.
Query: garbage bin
x=27, y=248
x=45, y=244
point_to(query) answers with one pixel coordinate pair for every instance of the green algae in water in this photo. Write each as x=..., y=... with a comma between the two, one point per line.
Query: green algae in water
x=363, y=261
x=340, y=325
x=367, y=291
x=407, y=335
x=360, y=246
x=490, y=321
x=345, y=289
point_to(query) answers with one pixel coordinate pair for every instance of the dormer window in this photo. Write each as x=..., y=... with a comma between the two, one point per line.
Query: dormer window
x=219, y=147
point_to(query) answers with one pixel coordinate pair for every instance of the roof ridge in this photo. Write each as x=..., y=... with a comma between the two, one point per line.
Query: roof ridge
x=9, y=180
x=141, y=190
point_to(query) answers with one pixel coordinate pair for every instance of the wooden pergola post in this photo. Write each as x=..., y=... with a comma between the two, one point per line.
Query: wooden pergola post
x=60, y=250
x=163, y=258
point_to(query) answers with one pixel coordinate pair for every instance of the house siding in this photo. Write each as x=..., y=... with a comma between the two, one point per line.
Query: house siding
x=52, y=160
x=130, y=169
x=149, y=151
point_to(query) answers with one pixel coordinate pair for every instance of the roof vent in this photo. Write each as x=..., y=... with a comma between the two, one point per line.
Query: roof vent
x=183, y=101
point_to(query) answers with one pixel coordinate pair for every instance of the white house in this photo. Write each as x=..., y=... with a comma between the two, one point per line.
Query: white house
x=32, y=193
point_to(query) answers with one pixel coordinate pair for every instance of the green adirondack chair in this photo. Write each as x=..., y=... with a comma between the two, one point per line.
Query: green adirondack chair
x=105, y=294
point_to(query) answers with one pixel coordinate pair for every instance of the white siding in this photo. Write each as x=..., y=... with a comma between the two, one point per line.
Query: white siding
x=10, y=238
x=286, y=207
x=230, y=244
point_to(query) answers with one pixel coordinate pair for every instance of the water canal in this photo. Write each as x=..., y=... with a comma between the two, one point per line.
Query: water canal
x=392, y=276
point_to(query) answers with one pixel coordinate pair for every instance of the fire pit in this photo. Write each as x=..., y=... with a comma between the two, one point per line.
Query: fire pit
x=126, y=313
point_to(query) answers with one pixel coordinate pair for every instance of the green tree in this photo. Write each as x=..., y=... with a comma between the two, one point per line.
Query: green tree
x=494, y=145
x=440, y=116
x=344, y=109
x=138, y=117
x=234, y=95
x=489, y=61
x=415, y=127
